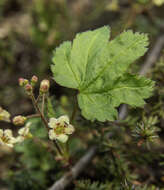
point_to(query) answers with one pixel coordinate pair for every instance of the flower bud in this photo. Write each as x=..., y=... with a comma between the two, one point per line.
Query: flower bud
x=19, y=120
x=22, y=81
x=34, y=80
x=4, y=115
x=28, y=88
x=44, y=86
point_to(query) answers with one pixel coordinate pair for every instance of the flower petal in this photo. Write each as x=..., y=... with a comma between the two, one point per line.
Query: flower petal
x=1, y=132
x=69, y=129
x=13, y=140
x=52, y=134
x=10, y=145
x=62, y=138
x=1, y=142
x=28, y=124
x=24, y=131
x=19, y=139
x=8, y=133
x=62, y=119
x=52, y=122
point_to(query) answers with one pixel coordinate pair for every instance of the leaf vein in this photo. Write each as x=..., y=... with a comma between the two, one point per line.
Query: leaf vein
x=107, y=65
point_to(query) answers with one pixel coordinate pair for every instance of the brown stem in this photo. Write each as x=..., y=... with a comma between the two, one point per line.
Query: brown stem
x=32, y=116
x=37, y=100
x=44, y=121
x=62, y=183
x=43, y=103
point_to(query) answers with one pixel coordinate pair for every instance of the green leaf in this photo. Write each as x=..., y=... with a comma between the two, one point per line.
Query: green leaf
x=98, y=68
x=70, y=62
x=115, y=59
x=63, y=72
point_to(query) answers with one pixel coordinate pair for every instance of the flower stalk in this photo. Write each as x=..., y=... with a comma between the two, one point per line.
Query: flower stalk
x=32, y=116
x=44, y=121
x=43, y=103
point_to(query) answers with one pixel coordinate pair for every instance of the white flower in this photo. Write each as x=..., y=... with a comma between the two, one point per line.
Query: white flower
x=6, y=138
x=24, y=133
x=4, y=115
x=60, y=128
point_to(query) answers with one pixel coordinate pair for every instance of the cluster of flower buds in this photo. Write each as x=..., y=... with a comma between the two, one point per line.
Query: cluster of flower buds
x=28, y=86
x=23, y=82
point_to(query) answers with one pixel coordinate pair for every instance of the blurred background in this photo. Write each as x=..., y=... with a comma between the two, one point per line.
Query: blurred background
x=30, y=31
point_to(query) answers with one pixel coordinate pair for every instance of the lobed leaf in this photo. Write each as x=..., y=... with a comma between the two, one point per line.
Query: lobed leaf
x=98, y=68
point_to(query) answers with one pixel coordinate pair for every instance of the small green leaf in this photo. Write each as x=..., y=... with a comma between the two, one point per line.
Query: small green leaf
x=98, y=68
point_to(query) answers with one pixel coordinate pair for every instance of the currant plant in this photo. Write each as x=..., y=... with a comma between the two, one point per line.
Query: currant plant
x=98, y=69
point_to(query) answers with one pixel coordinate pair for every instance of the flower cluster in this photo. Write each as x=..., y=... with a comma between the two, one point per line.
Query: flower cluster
x=29, y=85
x=60, y=128
x=7, y=138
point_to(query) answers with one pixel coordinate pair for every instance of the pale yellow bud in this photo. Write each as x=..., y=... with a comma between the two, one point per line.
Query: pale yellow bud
x=4, y=115
x=19, y=120
x=44, y=86
x=34, y=80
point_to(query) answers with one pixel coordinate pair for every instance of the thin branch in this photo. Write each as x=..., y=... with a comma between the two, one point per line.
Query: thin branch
x=32, y=116
x=39, y=112
x=151, y=59
x=152, y=56
x=123, y=112
x=75, y=171
x=38, y=98
x=43, y=103
x=44, y=121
